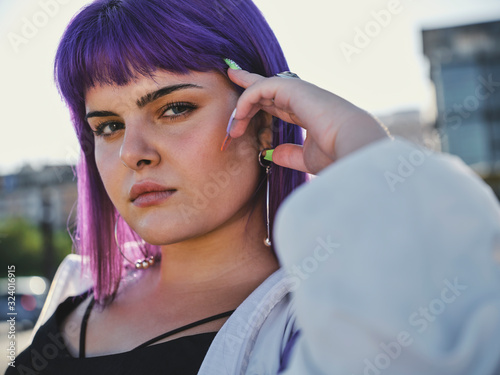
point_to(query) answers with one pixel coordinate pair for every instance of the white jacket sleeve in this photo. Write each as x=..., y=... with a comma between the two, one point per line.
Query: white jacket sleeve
x=68, y=281
x=394, y=252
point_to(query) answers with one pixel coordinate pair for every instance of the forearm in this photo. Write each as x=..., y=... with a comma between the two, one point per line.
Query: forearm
x=393, y=244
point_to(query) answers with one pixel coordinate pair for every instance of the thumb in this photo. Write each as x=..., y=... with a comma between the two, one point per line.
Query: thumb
x=290, y=156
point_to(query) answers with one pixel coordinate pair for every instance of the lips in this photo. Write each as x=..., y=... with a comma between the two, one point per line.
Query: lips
x=149, y=193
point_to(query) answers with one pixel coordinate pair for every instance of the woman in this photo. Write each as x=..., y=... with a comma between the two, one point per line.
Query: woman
x=151, y=96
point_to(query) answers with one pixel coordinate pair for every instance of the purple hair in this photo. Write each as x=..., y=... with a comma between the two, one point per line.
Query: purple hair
x=114, y=41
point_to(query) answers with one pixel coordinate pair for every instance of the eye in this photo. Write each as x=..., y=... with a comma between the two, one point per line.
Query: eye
x=173, y=110
x=107, y=128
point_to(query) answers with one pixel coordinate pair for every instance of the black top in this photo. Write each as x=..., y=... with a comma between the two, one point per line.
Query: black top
x=48, y=353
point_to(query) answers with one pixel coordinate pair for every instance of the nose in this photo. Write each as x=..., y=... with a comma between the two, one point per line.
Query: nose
x=138, y=148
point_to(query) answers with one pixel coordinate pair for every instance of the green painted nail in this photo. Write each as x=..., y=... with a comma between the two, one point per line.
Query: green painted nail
x=269, y=155
x=232, y=64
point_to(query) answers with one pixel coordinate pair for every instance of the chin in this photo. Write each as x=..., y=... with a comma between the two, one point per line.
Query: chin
x=161, y=230
x=162, y=236
x=160, y=239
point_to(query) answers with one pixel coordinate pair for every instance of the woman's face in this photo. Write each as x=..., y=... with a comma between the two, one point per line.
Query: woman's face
x=158, y=151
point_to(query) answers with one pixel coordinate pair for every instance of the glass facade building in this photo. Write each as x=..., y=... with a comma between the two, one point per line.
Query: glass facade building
x=465, y=69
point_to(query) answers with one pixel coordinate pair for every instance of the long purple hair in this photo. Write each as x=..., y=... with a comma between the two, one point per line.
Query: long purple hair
x=113, y=41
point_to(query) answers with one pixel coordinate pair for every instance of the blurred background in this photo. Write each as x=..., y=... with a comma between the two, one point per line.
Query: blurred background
x=429, y=69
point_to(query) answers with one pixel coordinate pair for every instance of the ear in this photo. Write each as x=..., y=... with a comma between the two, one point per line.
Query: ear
x=265, y=133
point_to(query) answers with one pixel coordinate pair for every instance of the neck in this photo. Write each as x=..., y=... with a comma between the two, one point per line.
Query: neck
x=232, y=255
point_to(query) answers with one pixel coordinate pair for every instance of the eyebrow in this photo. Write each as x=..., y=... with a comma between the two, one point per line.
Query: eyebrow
x=146, y=99
x=152, y=96
x=99, y=114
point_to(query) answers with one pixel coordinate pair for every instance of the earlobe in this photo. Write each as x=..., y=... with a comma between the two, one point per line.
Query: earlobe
x=265, y=135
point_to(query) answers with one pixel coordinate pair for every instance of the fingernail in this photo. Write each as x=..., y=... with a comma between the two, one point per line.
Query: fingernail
x=232, y=64
x=269, y=155
x=226, y=143
x=227, y=140
x=231, y=119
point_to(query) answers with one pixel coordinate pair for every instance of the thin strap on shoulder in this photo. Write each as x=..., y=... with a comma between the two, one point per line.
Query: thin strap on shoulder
x=183, y=328
x=83, y=328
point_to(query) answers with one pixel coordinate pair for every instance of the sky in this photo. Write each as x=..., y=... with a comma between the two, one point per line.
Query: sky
x=367, y=51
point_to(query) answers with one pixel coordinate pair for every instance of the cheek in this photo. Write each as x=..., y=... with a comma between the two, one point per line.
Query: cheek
x=220, y=179
x=108, y=167
x=102, y=161
x=240, y=171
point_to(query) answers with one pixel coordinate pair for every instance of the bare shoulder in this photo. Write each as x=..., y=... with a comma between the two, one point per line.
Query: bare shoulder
x=104, y=329
x=149, y=308
x=70, y=328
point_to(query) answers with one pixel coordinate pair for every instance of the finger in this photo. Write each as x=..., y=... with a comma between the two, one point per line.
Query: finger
x=290, y=156
x=239, y=127
x=315, y=159
x=272, y=95
x=243, y=78
x=264, y=94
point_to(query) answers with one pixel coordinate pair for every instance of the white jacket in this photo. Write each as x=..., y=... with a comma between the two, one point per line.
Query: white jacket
x=392, y=257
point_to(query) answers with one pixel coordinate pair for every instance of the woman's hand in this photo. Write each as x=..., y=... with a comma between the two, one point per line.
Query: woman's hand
x=334, y=126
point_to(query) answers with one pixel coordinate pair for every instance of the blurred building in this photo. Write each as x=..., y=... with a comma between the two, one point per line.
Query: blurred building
x=465, y=69
x=413, y=125
x=46, y=195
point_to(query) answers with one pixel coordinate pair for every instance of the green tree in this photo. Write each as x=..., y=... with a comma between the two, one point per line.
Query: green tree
x=21, y=244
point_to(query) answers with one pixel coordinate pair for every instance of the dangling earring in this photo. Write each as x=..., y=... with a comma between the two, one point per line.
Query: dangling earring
x=140, y=264
x=267, y=165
